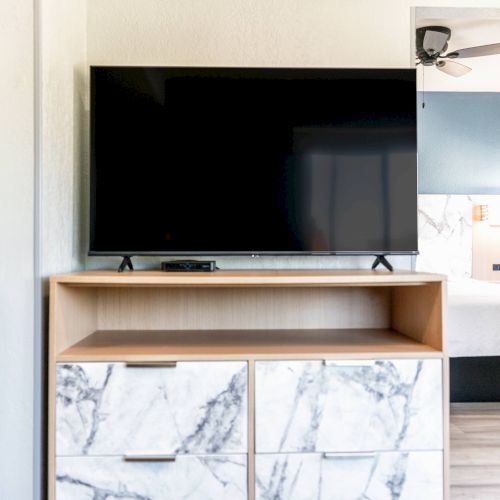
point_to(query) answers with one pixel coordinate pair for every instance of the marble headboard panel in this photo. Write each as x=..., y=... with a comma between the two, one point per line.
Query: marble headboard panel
x=445, y=234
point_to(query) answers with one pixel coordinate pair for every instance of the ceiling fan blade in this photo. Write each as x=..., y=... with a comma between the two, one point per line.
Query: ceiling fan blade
x=453, y=68
x=479, y=51
x=434, y=41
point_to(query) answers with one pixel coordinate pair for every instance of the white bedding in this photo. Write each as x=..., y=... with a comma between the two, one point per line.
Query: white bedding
x=473, y=318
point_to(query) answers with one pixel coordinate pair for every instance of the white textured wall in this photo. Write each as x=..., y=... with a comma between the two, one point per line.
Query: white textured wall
x=62, y=49
x=64, y=134
x=249, y=33
x=16, y=249
x=363, y=33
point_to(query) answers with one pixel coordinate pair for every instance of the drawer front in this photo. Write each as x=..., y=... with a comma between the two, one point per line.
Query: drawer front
x=308, y=406
x=379, y=476
x=188, y=478
x=113, y=409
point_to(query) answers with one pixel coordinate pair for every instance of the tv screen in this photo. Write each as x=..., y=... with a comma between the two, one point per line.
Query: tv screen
x=209, y=161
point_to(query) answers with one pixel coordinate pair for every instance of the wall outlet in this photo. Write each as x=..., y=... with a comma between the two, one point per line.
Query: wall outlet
x=496, y=267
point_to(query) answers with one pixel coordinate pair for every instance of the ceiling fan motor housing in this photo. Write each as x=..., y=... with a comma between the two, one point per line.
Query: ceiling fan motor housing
x=430, y=47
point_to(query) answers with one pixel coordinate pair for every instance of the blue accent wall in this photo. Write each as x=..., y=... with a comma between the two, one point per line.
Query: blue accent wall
x=459, y=143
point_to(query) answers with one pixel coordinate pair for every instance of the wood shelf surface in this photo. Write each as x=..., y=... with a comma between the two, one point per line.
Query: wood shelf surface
x=249, y=278
x=113, y=345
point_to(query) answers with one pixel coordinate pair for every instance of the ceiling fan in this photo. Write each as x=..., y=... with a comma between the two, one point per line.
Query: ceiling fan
x=432, y=43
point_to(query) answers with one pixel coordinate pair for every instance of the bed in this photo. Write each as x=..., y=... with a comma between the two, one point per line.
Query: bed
x=473, y=323
x=473, y=318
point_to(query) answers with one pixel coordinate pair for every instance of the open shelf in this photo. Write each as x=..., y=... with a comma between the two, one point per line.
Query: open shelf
x=245, y=315
x=134, y=345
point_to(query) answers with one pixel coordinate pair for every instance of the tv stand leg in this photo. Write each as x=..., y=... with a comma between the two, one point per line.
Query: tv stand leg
x=126, y=262
x=380, y=259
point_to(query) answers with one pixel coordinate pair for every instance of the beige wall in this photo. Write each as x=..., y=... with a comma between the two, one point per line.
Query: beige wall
x=364, y=33
x=42, y=130
x=16, y=249
x=250, y=33
x=64, y=133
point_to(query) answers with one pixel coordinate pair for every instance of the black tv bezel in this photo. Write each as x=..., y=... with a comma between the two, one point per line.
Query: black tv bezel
x=251, y=253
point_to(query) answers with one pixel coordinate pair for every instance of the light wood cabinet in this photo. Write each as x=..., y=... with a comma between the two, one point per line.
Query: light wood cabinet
x=161, y=354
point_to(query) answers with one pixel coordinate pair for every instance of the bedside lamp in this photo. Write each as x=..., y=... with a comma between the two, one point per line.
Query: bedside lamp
x=490, y=213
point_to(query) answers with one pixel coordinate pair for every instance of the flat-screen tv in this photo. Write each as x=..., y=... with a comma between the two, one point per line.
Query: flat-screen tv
x=211, y=161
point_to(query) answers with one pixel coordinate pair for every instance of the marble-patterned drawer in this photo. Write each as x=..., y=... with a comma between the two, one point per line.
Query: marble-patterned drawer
x=189, y=477
x=113, y=409
x=379, y=476
x=348, y=406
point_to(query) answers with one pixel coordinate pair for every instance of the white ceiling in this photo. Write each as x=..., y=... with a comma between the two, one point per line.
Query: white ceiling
x=469, y=27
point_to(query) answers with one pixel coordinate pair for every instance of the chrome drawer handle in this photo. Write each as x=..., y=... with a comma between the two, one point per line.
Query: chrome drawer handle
x=151, y=364
x=349, y=362
x=351, y=456
x=148, y=458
